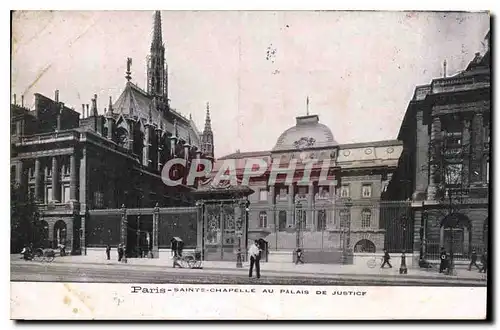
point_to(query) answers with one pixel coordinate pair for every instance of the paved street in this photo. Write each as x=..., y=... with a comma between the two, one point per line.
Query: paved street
x=127, y=273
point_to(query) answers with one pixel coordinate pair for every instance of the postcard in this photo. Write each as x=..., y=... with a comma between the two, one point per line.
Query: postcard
x=321, y=165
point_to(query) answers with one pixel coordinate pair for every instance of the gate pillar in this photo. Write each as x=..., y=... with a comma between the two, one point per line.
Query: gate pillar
x=124, y=227
x=156, y=216
x=199, y=229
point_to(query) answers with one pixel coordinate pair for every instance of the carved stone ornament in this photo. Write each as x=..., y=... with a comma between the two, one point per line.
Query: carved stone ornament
x=304, y=142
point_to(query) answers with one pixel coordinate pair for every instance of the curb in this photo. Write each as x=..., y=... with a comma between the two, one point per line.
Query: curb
x=379, y=277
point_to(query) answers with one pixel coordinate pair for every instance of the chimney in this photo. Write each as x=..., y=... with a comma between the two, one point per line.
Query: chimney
x=56, y=96
x=444, y=69
x=22, y=101
x=15, y=101
x=87, y=106
x=94, y=106
x=83, y=111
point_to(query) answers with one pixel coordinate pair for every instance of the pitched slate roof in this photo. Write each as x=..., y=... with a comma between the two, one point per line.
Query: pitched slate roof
x=134, y=101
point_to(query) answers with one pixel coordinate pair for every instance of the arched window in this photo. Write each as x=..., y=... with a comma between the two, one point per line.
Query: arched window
x=365, y=245
x=60, y=233
x=122, y=137
x=263, y=219
x=366, y=217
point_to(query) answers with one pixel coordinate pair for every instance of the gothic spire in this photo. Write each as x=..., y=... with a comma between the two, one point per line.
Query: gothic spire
x=157, y=39
x=157, y=77
x=208, y=124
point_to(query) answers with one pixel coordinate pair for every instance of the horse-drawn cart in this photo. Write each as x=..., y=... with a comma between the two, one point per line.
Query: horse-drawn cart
x=40, y=255
x=184, y=260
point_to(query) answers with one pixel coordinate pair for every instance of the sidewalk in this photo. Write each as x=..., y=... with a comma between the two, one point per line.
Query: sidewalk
x=290, y=268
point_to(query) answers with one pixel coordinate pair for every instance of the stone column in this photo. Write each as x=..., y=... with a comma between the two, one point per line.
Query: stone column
x=38, y=179
x=55, y=180
x=199, y=228
x=290, y=199
x=270, y=200
x=310, y=200
x=72, y=178
x=466, y=145
x=417, y=225
x=83, y=181
x=422, y=158
x=477, y=146
x=333, y=199
x=435, y=155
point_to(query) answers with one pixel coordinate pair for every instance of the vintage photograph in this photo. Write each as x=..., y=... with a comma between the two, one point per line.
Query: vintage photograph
x=297, y=148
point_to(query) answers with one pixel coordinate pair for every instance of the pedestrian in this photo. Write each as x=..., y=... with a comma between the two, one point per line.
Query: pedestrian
x=299, y=256
x=387, y=257
x=484, y=262
x=473, y=260
x=108, y=251
x=444, y=260
x=254, y=253
x=120, y=252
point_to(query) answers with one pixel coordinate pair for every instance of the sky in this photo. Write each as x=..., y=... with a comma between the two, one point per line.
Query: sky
x=359, y=69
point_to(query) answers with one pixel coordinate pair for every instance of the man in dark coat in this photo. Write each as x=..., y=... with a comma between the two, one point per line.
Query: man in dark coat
x=108, y=252
x=444, y=260
x=120, y=252
x=473, y=260
x=484, y=262
x=387, y=257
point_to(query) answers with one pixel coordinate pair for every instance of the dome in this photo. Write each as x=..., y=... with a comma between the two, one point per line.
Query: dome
x=307, y=133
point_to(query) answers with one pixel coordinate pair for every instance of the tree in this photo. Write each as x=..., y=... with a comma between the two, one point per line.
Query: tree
x=22, y=218
x=448, y=157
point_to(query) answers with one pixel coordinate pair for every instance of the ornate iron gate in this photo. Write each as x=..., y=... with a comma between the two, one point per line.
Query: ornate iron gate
x=224, y=231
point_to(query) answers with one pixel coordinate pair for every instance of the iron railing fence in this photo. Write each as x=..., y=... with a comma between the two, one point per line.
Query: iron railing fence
x=462, y=251
x=358, y=225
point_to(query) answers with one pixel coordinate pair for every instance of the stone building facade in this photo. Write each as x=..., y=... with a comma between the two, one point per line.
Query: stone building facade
x=444, y=166
x=72, y=163
x=324, y=211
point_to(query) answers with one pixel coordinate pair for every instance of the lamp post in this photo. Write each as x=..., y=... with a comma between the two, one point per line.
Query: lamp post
x=298, y=224
x=403, y=269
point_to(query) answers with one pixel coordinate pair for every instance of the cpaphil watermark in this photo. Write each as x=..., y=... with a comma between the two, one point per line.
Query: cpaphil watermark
x=253, y=168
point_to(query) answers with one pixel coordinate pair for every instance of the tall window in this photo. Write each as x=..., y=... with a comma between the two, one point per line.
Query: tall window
x=321, y=220
x=65, y=194
x=263, y=195
x=263, y=219
x=48, y=194
x=345, y=191
x=366, y=191
x=366, y=217
x=98, y=199
x=345, y=215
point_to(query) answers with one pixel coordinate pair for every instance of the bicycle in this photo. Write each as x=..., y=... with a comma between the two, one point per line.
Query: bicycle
x=373, y=262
